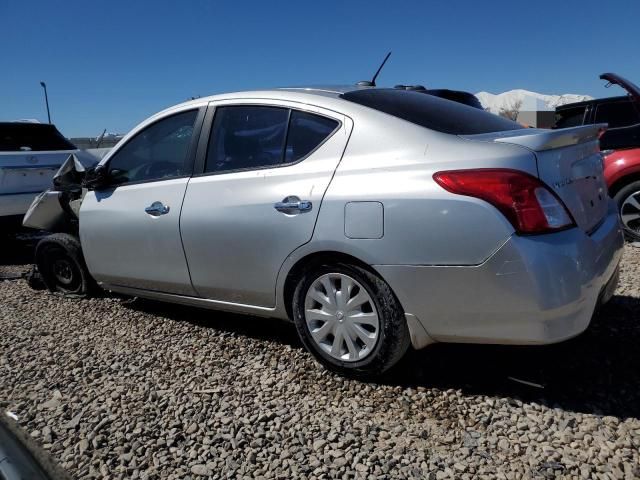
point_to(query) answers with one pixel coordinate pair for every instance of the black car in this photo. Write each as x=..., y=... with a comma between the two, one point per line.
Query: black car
x=621, y=113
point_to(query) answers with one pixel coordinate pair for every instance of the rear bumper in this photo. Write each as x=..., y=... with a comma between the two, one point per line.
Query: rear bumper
x=533, y=290
x=16, y=203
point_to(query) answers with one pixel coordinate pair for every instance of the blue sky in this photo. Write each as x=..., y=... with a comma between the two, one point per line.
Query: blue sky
x=112, y=64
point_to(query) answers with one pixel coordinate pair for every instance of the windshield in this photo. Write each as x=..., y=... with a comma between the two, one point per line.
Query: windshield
x=16, y=137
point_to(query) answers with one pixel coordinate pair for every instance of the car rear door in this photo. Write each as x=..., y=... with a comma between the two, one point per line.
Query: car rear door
x=265, y=168
x=129, y=230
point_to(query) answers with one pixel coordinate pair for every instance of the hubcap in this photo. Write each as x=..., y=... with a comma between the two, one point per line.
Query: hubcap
x=63, y=271
x=630, y=212
x=341, y=317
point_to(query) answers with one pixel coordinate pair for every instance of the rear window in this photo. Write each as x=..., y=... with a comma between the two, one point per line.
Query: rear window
x=36, y=137
x=431, y=112
x=569, y=117
x=617, y=114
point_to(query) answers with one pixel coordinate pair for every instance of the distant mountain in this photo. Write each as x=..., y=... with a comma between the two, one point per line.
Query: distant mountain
x=529, y=101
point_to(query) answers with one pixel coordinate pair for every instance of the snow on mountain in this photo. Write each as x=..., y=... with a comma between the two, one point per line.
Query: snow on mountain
x=528, y=101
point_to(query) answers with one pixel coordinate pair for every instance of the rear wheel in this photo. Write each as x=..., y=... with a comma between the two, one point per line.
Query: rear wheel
x=628, y=201
x=61, y=264
x=350, y=320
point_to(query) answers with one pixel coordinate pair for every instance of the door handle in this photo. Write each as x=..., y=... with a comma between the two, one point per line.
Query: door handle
x=292, y=205
x=156, y=209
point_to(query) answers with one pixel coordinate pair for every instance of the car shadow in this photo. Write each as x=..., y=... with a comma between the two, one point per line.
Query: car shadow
x=260, y=328
x=17, y=249
x=597, y=372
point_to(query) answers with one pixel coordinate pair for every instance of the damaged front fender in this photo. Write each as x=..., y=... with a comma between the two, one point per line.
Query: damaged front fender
x=57, y=209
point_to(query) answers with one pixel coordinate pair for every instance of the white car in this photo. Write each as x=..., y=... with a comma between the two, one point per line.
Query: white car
x=30, y=154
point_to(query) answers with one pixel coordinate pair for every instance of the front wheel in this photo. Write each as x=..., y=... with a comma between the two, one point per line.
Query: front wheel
x=62, y=267
x=628, y=201
x=350, y=320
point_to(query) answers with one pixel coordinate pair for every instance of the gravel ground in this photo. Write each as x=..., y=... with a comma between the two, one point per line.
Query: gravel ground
x=137, y=389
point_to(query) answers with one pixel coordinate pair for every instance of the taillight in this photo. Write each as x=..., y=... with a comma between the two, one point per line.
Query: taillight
x=526, y=202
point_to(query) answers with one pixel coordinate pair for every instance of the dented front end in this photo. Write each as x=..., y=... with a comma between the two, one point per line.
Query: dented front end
x=57, y=209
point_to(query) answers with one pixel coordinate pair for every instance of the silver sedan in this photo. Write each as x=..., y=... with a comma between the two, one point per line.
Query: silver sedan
x=375, y=219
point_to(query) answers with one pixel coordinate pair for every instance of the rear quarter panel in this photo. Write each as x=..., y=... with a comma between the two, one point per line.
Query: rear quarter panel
x=392, y=162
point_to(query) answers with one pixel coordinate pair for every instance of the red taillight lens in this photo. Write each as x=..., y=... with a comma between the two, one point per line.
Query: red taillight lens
x=526, y=202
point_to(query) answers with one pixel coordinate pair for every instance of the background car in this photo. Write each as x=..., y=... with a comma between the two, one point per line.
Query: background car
x=30, y=154
x=361, y=214
x=620, y=144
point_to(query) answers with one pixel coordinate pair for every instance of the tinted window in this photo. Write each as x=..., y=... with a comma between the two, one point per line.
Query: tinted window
x=431, y=112
x=465, y=98
x=159, y=151
x=37, y=137
x=569, y=117
x=246, y=137
x=618, y=114
x=306, y=133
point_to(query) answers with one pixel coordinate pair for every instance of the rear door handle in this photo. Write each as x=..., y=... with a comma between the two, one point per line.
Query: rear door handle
x=292, y=205
x=156, y=209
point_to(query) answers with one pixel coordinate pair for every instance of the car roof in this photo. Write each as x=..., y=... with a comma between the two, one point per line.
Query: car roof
x=284, y=93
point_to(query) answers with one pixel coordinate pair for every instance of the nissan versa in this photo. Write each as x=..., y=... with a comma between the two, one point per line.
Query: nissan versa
x=374, y=218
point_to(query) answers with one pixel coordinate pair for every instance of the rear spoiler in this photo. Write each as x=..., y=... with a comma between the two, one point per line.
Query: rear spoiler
x=540, y=140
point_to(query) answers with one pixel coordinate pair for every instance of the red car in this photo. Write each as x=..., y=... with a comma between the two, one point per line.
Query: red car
x=620, y=144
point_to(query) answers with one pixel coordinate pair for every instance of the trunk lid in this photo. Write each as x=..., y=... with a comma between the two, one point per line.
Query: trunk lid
x=632, y=89
x=570, y=163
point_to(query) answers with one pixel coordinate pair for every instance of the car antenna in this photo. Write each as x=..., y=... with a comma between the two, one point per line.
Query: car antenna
x=372, y=82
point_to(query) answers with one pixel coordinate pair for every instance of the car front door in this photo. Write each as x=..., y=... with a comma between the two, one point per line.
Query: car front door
x=129, y=229
x=265, y=171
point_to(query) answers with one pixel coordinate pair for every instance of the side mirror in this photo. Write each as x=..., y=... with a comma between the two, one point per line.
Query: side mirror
x=102, y=177
x=96, y=177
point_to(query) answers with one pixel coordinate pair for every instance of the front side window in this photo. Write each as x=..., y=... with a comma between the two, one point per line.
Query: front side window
x=158, y=152
x=618, y=114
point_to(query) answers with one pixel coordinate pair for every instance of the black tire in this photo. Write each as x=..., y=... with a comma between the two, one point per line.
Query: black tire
x=62, y=267
x=393, y=338
x=25, y=458
x=631, y=232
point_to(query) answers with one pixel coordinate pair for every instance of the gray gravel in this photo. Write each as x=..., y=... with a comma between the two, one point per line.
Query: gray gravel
x=139, y=389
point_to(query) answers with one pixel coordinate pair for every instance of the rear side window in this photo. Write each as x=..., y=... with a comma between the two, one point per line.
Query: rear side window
x=36, y=137
x=249, y=137
x=569, y=117
x=306, y=132
x=617, y=114
x=431, y=112
x=246, y=137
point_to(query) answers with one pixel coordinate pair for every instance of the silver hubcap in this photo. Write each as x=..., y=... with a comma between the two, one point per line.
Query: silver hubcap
x=341, y=317
x=630, y=212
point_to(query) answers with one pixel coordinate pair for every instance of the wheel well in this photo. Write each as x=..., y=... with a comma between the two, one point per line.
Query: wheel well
x=311, y=261
x=623, y=182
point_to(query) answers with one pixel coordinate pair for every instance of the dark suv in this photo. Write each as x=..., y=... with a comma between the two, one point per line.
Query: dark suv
x=620, y=144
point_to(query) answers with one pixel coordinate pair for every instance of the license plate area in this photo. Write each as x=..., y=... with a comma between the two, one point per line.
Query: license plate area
x=23, y=180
